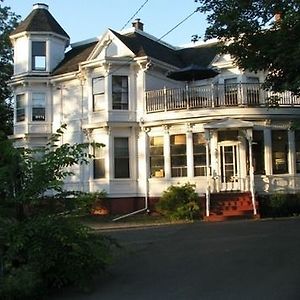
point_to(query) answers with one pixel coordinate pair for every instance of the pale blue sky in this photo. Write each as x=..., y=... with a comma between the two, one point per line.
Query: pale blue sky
x=90, y=18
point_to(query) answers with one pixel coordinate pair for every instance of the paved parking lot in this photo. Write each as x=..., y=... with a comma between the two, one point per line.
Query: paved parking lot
x=228, y=260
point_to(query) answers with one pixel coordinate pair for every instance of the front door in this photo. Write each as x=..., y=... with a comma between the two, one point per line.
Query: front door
x=229, y=166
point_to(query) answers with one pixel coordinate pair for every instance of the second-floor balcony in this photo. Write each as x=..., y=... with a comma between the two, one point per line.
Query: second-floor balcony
x=217, y=95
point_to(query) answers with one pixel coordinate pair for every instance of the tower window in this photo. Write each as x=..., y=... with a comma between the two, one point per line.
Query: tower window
x=38, y=51
x=38, y=107
x=20, y=107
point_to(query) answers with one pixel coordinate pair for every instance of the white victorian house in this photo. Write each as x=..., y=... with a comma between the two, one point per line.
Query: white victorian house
x=166, y=114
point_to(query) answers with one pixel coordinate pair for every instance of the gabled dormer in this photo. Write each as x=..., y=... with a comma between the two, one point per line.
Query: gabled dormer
x=39, y=43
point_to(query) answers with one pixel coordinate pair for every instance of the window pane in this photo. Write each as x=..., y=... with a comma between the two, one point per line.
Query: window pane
x=121, y=157
x=20, y=108
x=280, y=151
x=199, y=149
x=258, y=152
x=178, y=155
x=120, y=92
x=38, y=107
x=156, y=156
x=99, y=162
x=38, y=50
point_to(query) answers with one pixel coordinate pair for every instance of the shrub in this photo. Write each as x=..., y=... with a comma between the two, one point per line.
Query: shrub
x=51, y=252
x=279, y=205
x=179, y=202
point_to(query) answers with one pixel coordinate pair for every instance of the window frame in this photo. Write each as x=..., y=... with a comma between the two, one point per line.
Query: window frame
x=98, y=94
x=156, y=157
x=121, y=158
x=41, y=108
x=21, y=108
x=39, y=56
x=199, y=168
x=99, y=171
x=122, y=93
x=178, y=156
x=280, y=158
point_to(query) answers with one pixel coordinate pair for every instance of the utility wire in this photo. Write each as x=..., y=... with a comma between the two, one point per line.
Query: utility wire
x=157, y=40
x=177, y=25
x=135, y=14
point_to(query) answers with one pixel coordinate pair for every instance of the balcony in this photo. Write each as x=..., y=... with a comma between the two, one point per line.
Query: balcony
x=217, y=95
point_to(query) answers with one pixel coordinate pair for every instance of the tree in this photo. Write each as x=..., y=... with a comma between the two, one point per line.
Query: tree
x=260, y=35
x=8, y=21
x=42, y=245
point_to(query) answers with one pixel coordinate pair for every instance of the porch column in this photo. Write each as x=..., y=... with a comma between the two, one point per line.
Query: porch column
x=207, y=191
x=251, y=170
x=167, y=152
x=268, y=151
x=291, y=152
x=189, y=152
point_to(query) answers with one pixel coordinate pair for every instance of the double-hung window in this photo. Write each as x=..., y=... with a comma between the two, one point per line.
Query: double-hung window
x=121, y=157
x=258, y=146
x=280, y=151
x=178, y=155
x=157, y=156
x=20, y=107
x=120, y=92
x=38, y=56
x=199, y=149
x=38, y=107
x=99, y=162
x=98, y=93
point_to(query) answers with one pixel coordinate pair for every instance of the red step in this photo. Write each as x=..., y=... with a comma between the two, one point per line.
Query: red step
x=228, y=206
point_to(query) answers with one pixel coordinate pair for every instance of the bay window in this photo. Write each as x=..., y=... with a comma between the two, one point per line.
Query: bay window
x=98, y=93
x=98, y=162
x=121, y=157
x=120, y=92
x=20, y=107
x=38, y=107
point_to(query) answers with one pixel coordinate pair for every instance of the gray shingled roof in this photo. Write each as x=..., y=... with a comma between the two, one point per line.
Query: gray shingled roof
x=73, y=57
x=141, y=45
x=40, y=20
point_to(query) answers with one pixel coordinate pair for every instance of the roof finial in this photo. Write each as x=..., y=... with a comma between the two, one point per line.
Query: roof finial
x=40, y=6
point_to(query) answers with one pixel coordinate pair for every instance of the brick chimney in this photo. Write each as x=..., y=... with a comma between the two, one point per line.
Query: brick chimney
x=137, y=24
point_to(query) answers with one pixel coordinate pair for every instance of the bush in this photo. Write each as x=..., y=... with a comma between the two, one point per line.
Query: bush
x=179, y=202
x=279, y=205
x=44, y=253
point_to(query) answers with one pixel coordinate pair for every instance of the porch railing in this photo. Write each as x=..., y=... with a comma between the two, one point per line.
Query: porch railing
x=217, y=95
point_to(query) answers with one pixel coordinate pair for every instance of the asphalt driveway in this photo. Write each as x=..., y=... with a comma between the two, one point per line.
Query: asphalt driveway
x=228, y=260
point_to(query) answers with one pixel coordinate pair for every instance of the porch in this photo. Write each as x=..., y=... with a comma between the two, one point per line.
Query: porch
x=217, y=95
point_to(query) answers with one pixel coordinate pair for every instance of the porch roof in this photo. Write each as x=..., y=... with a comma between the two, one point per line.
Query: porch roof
x=228, y=123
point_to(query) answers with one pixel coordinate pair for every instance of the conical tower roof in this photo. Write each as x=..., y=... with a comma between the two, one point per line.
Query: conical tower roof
x=40, y=20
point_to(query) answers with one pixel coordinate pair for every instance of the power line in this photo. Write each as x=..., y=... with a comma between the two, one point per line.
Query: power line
x=157, y=40
x=177, y=25
x=135, y=14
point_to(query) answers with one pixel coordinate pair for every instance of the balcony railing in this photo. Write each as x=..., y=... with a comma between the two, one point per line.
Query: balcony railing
x=217, y=95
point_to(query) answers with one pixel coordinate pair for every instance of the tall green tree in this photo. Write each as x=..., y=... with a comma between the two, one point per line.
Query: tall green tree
x=8, y=21
x=260, y=35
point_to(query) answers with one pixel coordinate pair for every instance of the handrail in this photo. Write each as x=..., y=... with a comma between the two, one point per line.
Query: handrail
x=217, y=95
